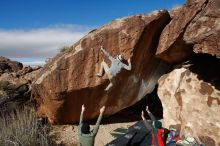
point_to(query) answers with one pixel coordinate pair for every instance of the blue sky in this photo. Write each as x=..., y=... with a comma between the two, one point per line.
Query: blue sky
x=37, y=28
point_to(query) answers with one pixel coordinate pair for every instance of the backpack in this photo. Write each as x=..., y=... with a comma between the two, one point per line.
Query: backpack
x=173, y=137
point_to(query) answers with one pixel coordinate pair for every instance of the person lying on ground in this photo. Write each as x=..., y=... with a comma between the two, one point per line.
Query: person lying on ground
x=87, y=136
x=116, y=66
x=156, y=129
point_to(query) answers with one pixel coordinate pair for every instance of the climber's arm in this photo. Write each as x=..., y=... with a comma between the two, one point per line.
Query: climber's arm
x=95, y=130
x=81, y=118
x=107, y=54
x=127, y=67
x=148, y=125
x=151, y=115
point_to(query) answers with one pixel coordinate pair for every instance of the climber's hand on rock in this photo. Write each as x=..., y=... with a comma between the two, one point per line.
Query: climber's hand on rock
x=129, y=60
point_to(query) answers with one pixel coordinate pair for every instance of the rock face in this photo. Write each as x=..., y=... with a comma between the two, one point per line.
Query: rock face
x=191, y=105
x=194, y=27
x=15, y=84
x=6, y=65
x=69, y=80
x=191, y=95
x=204, y=30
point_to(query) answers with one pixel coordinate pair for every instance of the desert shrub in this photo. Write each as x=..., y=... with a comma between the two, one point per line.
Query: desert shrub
x=3, y=85
x=64, y=49
x=22, y=128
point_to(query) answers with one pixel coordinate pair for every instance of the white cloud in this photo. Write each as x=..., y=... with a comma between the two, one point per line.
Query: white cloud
x=33, y=63
x=39, y=43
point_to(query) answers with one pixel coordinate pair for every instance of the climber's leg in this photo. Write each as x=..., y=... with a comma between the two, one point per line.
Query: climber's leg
x=103, y=67
x=109, y=86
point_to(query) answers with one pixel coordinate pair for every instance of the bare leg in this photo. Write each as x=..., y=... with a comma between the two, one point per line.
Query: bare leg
x=103, y=67
x=109, y=86
x=110, y=77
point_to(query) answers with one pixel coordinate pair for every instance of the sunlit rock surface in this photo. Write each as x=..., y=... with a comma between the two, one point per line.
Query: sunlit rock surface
x=191, y=105
x=70, y=80
x=194, y=28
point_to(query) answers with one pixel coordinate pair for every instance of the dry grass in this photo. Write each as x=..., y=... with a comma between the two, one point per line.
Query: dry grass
x=3, y=85
x=64, y=49
x=21, y=128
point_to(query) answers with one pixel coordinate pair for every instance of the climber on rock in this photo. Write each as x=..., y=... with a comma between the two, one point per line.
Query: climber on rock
x=116, y=66
x=87, y=136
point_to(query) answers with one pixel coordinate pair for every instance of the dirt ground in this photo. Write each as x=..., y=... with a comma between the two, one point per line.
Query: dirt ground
x=67, y=135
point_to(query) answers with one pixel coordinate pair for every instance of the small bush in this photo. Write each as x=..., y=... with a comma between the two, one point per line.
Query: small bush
x=3, y=85
x=64, y=49
x=22, y=128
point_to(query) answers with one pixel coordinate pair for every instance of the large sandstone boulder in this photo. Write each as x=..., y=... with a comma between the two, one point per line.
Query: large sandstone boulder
x=194, y=27
x=191, y=105
x=69, y=80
